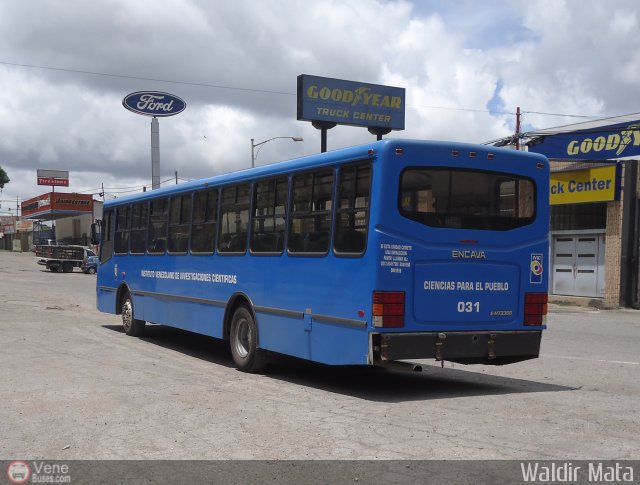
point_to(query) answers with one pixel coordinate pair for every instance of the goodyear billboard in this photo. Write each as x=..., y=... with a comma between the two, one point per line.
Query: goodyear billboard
x=603, y=143
x=350, y=103
x=598, y=184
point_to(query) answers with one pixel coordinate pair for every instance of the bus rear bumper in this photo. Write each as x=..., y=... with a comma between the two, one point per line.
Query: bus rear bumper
x=493, y=348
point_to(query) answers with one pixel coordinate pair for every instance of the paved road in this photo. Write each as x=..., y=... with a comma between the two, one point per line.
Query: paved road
x=74, y=386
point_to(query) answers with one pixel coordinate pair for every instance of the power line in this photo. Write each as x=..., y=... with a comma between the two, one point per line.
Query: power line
x=560, y=114
x=264, y=91
x=124, y=76
x=473, y=110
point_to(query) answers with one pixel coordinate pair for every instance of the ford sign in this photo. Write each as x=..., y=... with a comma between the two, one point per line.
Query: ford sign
x=154, y=103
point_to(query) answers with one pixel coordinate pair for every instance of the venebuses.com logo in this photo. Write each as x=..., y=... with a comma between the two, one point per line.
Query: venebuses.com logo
x=18, y=472
x=38, y=472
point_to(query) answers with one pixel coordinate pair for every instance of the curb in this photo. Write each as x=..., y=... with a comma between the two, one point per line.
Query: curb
x=584, y=302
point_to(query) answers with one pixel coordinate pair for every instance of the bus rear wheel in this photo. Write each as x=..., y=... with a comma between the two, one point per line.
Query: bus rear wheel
x=132, y=326
x=244, y=342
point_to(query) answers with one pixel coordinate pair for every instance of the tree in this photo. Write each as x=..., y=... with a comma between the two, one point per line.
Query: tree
x=4, y=178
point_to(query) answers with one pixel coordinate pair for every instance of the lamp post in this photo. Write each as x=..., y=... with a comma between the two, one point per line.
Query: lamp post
x=254, y=153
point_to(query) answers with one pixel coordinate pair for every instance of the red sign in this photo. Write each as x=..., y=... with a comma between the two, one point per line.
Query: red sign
x=57, y=202
x=71, y=202
x=53, y=181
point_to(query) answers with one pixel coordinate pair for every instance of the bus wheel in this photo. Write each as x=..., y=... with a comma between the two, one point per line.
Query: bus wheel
x=131, y=326
x=244, y=342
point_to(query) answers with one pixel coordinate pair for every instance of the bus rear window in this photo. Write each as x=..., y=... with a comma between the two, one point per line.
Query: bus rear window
x=466, y=199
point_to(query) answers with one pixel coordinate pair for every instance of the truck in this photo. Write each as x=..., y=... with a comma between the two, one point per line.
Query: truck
x=62, y=258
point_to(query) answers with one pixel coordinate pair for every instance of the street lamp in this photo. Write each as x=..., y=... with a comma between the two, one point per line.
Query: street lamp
x=254, y=154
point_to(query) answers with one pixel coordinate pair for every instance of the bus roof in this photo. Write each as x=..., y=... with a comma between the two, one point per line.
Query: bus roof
x=354, y=153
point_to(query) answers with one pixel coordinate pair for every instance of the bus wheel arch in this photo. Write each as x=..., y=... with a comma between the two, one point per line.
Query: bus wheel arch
x=132, y=326
x=123, y=290
x=241, y=328
x=236, y=300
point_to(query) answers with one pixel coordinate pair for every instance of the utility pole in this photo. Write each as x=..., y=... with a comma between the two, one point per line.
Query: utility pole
x=155, y=154
x=518, y=128
x=176, y=172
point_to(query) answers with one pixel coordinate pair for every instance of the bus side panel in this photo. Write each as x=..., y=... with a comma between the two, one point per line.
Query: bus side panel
x=339, y=345
x=313, y=340
x=284, y=335
x=106, y=300
x=195, y=317
x=331, y=287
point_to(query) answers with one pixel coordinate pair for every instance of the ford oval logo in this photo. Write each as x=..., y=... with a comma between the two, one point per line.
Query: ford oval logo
x=154, y=103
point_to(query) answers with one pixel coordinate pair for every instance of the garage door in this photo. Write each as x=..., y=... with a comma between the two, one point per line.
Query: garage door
x=578, y=265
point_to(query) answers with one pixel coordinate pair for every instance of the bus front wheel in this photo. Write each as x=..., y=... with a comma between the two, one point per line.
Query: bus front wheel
x=244, y=342
x=132, y=326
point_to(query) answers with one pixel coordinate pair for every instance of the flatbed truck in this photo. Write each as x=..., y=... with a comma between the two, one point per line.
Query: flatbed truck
x=62, y=259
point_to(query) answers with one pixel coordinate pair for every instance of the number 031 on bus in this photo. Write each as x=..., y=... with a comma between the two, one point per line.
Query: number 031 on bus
x=394, y=250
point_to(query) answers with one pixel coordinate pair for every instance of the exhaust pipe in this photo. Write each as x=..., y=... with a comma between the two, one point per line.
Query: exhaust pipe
x=400, y=366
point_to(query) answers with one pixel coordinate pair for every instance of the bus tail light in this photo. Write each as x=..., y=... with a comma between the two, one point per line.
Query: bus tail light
x=388, y=309
x=535, y=308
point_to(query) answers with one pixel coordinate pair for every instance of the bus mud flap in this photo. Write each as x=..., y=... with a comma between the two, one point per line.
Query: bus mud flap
x=491, y=346
x=442, y=337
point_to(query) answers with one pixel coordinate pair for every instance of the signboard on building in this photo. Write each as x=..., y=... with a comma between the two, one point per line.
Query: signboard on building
x=53, y=177
x=24, y=225
x=6, y=225
x=598, y=184
x=154, y=103
x=350, y=103
x=56, y=204
x=602, y=143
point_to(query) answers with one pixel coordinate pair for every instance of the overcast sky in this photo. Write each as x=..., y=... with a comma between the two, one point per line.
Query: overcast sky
x=65, y=67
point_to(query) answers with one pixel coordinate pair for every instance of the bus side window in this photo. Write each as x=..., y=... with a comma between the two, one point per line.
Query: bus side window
x=310, y=216
x=179, y=221
x=234, y=219
x=269, y=212
x=139, y=223
x=106, y=246
x=158, y=215
x=203, y=223
x=121, y=244
x=352, y=212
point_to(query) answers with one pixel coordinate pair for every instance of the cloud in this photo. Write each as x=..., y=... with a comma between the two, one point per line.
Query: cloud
x=236, y=63
x=583, y=60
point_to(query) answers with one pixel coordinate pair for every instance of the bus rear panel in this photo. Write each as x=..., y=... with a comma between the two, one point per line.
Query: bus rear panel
x=463, y=246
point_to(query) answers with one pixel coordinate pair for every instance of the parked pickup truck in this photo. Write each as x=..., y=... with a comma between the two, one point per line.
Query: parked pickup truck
x=62, y=258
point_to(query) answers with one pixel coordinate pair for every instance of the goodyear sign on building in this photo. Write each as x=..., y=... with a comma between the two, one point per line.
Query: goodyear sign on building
x=350, y=103
x=603, y=143
x=596, y=184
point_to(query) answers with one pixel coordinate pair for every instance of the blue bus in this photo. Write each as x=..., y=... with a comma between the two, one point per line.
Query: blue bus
x=371, y=255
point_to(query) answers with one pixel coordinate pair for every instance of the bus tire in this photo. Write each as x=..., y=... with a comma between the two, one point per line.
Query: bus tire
x=132, y=326
x=243, y=340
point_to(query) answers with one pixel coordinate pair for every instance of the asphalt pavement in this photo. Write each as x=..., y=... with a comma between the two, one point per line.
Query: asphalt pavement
x=74, y=386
